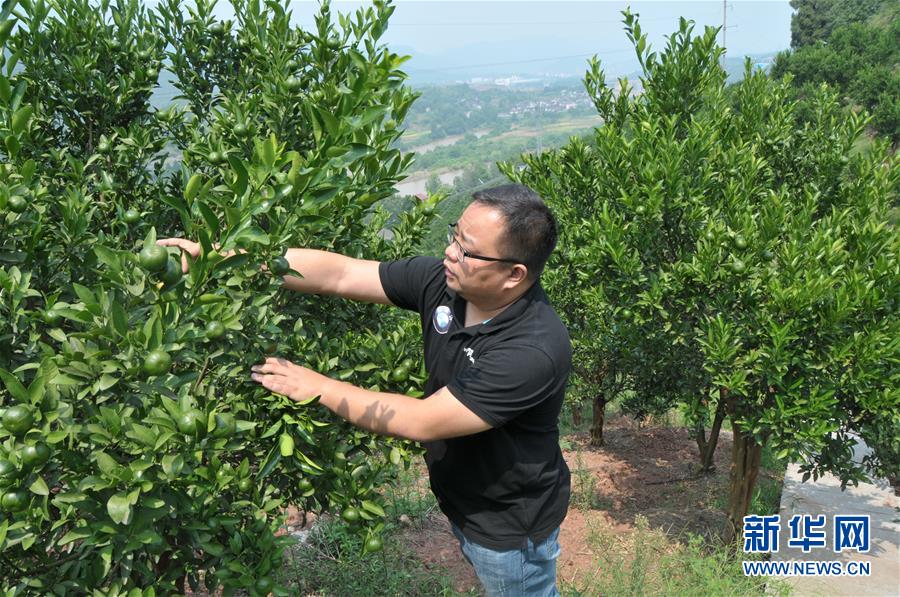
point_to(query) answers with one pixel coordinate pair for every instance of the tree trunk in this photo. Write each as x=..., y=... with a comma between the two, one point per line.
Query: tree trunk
x=745, y=457
x=708, y=454
x=599, y=417
x=700, y=438
x=576, y=415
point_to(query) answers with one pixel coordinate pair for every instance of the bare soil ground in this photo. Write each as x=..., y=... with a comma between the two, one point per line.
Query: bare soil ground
x=648, y=471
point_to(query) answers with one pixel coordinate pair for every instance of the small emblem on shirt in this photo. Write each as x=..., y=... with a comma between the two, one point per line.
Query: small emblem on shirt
x=441, y=319
x=469, y=352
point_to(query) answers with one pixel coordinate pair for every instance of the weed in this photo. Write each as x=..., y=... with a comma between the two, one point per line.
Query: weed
x=649, y=562
x=332, y=562
x=584, y=492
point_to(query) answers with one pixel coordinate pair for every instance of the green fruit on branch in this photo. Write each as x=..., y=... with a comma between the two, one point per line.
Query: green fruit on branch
x=280, y=266
x=215, y=330
x=131, y=216
x=172, y=274
x=264, y=585
x=7, y=470
x=190, y=422
x=225, y=425
x=17, y=204
x=293, y=84
x=18, y=419
x=153, y=258
x=400, y=374
x=373, y=544
x=35, y=456
x=157, y=362
x=350, y=515
x=52, y=317
x=15, y=501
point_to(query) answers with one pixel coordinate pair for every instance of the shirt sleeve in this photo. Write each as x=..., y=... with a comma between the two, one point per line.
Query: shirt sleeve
x=406, y=281
x=505, y=382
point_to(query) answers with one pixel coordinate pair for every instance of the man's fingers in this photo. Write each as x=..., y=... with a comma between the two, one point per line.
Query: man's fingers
x=187, y=248
x=270, y=367
x=184, y=244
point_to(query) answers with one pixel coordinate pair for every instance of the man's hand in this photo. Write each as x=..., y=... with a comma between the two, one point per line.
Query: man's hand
x=439, y=416
x=188, y=247
x=284, y=377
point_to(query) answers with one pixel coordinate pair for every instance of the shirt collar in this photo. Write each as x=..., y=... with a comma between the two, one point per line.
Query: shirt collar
x=505, y=317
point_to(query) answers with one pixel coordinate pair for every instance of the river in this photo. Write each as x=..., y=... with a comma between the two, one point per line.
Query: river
x=416, y=184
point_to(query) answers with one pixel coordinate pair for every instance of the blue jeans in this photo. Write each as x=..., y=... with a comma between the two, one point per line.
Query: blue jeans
x=530, y=571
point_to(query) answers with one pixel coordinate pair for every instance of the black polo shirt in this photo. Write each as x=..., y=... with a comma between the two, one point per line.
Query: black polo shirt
x=510, y=482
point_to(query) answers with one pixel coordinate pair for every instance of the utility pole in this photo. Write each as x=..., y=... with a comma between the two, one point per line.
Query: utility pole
x=724, y=24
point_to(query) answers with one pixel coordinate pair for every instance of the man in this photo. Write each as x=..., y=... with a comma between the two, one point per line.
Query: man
x=498, y=359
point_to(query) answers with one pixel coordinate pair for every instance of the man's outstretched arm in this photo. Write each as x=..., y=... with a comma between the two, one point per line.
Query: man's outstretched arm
x=439, y=416
x=335, y=274
x=322, y=272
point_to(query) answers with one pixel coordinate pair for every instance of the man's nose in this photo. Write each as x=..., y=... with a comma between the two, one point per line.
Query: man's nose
x=451, y=253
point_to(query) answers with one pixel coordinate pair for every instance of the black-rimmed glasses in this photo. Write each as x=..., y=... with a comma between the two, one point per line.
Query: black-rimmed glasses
x=451, y=239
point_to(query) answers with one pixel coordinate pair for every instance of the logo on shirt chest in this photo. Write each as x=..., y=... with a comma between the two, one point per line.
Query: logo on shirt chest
x=470, y=354
x=441, y=319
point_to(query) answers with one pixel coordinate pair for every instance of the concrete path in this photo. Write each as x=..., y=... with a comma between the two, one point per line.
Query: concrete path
x=824, y=496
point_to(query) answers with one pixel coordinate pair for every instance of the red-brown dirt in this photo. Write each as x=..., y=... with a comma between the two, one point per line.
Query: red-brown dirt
x=648, y=471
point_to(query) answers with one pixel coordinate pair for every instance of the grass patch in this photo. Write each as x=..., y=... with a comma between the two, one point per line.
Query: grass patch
x=648, y=562
x=332, y=561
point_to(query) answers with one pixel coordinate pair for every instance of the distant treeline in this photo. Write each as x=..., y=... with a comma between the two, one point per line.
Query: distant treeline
x=852, y=46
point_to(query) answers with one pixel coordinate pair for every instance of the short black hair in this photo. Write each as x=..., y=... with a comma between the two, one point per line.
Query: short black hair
x=530, y=228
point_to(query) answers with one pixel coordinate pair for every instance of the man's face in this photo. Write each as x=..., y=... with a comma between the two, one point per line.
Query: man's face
x=478, y=232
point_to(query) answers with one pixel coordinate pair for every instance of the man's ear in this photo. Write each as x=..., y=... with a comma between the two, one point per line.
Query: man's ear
x=518, y=274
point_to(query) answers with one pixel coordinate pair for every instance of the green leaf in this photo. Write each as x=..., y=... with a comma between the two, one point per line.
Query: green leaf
x=172, y=464
x=20, y=119
x=193, y=187
x=107, y=257
x=119, y=508
x=14, y=386
x=272, y=461
x=209, y=218
x=74, y=535
x=39, y=487
x=332, y=126
x=106, y=463
x=107, y=381
x=36, y=388
x=239, y=185
x=373, y=508
x=267, y=151
x=119, y=318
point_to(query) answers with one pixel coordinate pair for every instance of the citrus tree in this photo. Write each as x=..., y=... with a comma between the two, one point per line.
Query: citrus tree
x=738, y=262
x=135, y=453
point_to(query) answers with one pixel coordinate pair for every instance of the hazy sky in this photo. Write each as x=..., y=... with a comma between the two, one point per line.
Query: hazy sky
x=444, y=35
